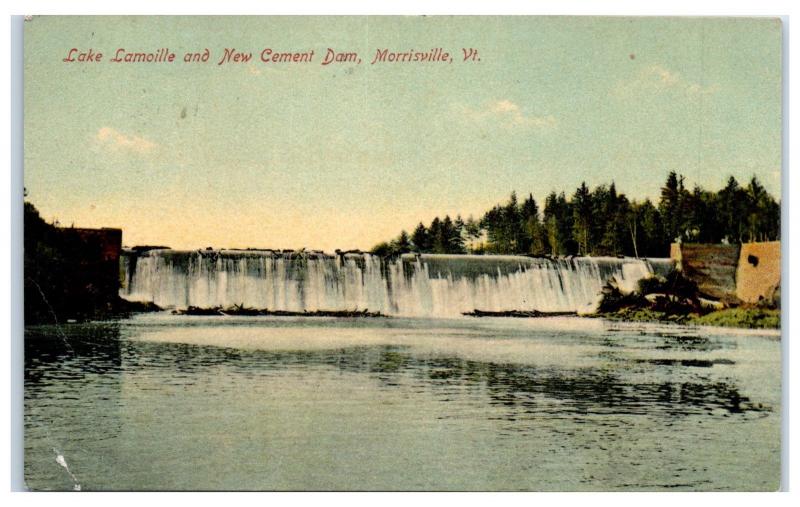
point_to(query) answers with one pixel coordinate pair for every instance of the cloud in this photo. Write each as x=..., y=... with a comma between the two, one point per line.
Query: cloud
x=508, y=114
x=115, y=140
x=504, y=106
x=657, y=78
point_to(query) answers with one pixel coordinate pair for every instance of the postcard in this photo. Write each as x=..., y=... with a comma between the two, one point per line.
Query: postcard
x=440, y=253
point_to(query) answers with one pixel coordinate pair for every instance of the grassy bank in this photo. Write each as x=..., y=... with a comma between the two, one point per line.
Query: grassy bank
x=753, y=318
x=748, y=318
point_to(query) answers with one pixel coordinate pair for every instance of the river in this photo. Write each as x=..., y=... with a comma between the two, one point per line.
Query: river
x=165, y=402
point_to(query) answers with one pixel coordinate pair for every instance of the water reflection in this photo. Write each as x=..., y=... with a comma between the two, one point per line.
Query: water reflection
x=78, y=352
x=90, y=375
x=94, y=347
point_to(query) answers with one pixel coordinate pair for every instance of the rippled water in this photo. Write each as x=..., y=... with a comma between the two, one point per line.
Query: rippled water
x=168, y=402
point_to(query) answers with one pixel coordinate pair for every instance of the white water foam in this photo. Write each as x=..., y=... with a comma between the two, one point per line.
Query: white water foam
x=413, y=285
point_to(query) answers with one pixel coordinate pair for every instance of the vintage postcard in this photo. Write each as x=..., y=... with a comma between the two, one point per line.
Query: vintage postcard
x=402, y=253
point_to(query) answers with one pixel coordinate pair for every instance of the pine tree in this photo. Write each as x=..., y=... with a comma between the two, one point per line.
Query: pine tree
x=421, y=239
x=605, y=222
x=582, y=214
x=732, y=201
x=534, y=237
x=670, y=207
x=403, y=243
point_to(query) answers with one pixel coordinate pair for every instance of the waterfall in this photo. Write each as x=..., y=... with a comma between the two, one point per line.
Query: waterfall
x=411, y=285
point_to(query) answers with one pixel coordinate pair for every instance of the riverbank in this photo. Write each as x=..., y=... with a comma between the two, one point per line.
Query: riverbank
x=745, y=318
x=677, y=299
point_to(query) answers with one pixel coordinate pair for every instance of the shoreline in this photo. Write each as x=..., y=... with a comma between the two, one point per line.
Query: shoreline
x=728, y=318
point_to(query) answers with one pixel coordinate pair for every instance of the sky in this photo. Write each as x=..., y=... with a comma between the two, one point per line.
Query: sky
x=292, y=155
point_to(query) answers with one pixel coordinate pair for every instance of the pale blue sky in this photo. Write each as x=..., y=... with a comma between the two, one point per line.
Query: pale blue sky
x=289, y=156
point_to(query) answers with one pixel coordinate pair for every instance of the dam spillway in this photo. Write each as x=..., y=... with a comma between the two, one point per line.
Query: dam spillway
x=426, y=285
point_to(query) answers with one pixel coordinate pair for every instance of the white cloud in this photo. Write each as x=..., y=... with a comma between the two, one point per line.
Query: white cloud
x=503, y=106
x=112, y=139
x=657, y=78
x=661, y=75
x=509, y=114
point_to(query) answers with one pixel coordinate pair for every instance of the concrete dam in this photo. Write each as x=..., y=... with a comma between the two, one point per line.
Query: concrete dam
x=413, y=285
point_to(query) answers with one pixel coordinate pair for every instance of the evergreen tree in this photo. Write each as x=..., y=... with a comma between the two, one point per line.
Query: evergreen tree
x=558, y=222
x=438, y=241
x=551, y=221
x=472, y=232
x=512, y=224
x=403, y=243
x=672, y=207
x=450, y=238
x=421, y=239
x=604, y=222
x=456, y=240
x=582, y=216
x=534, y=237
x=703, y=221
x=732, y=208
x=616, y=240
x=763, y=213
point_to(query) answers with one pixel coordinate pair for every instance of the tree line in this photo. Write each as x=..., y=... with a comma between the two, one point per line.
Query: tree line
x=603, y=221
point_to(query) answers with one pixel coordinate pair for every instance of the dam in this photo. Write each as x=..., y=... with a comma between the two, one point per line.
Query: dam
x=412, y=285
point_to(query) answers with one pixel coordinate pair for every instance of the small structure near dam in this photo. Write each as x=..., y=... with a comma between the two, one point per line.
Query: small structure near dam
x=746, y=273
x=70, y=272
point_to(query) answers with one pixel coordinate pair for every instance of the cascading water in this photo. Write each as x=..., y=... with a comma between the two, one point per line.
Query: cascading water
x=412, y=285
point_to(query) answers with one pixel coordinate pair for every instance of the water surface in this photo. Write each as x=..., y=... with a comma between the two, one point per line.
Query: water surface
x=179, y=402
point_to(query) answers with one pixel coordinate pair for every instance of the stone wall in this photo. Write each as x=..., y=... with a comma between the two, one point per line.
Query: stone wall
x=711, y=266
x=746, y=273
x=759, y=274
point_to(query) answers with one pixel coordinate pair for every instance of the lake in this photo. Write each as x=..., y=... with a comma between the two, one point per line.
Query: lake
x=164, y=402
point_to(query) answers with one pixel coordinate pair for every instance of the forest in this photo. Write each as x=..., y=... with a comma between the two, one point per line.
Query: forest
x=603, y=222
